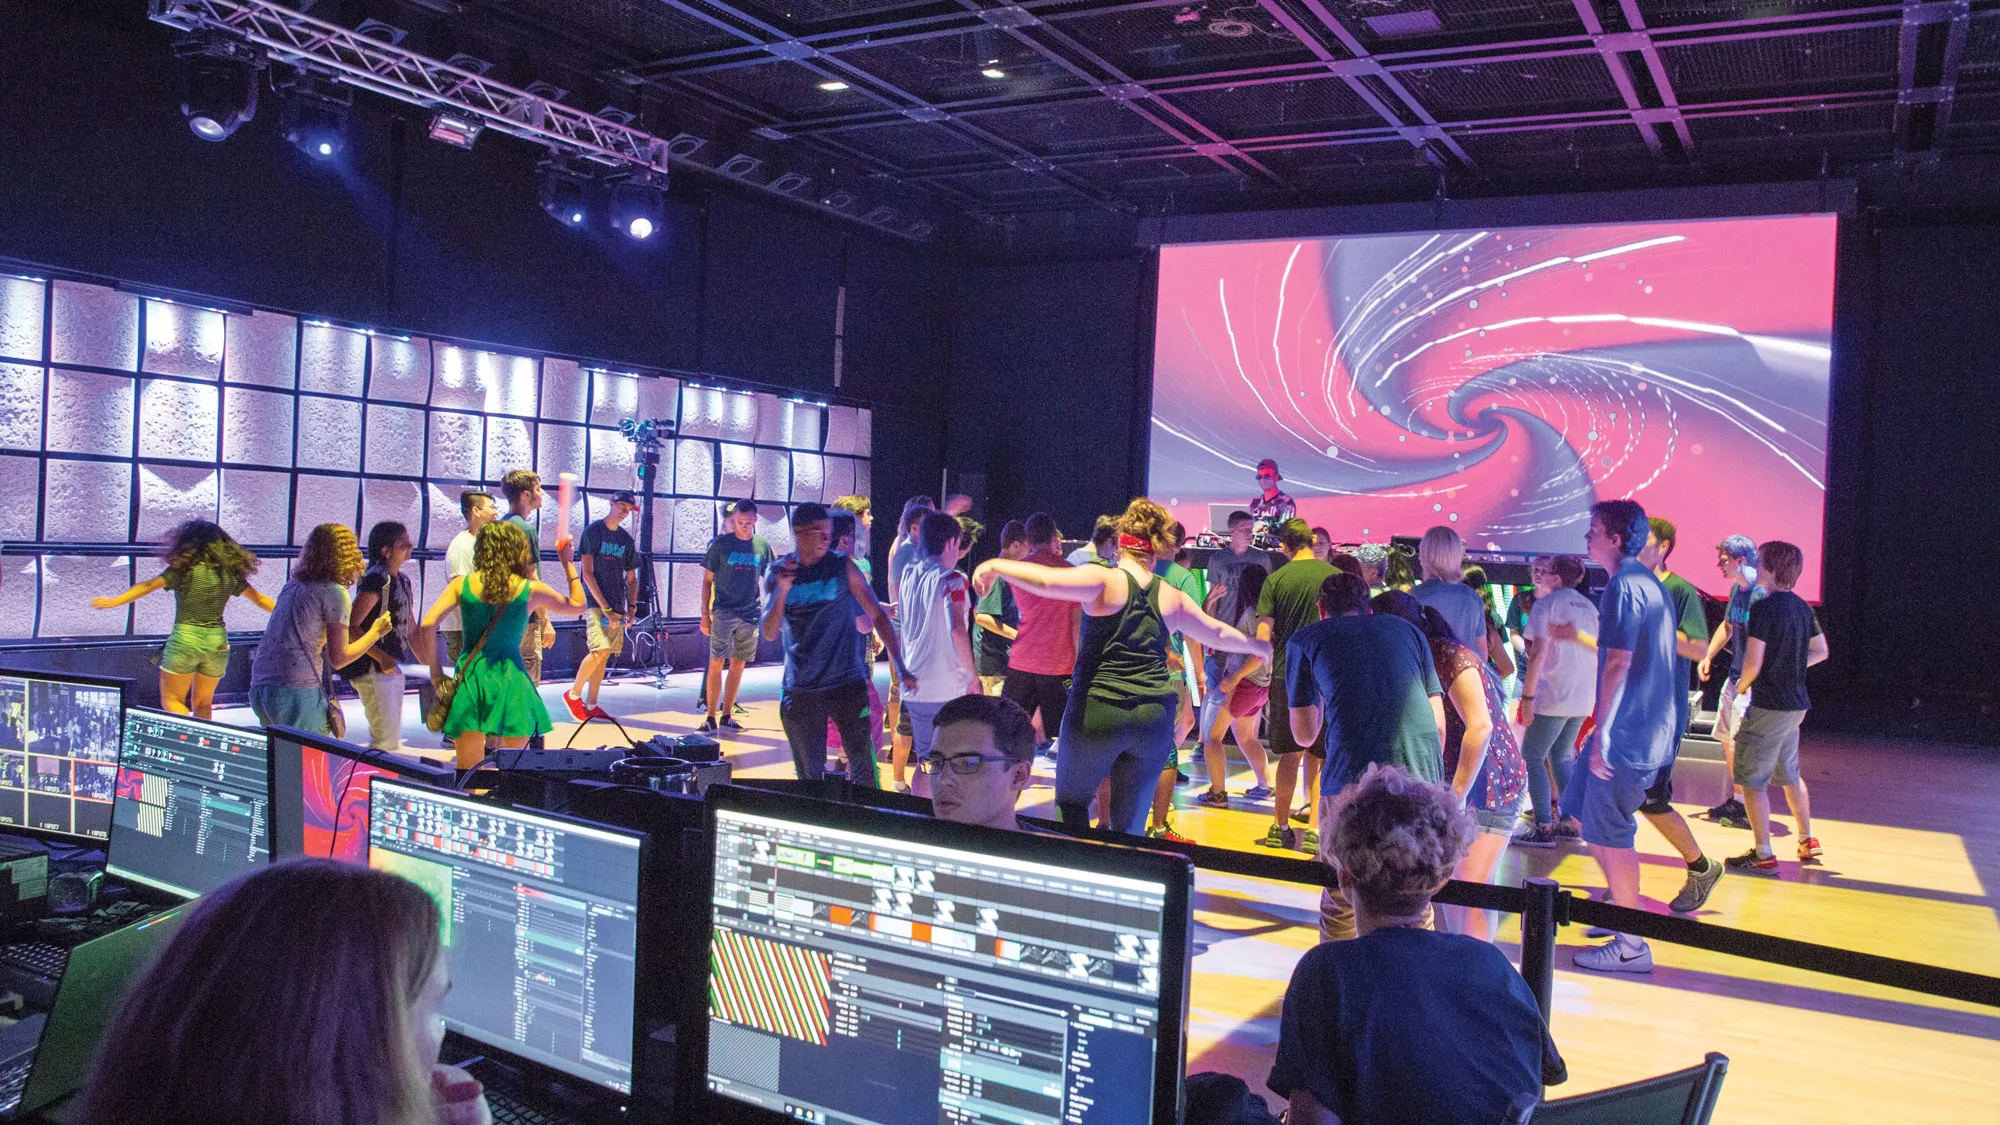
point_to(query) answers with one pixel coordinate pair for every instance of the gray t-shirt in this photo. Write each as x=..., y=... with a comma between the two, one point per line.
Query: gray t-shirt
x=294, y=643
x=1225, y=567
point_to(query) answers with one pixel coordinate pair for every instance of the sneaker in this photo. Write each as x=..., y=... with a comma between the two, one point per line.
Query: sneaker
x=1809, y=850
x=707, y=725
x=1615, y=956
x=577, y=710
x=1257, y=793
x=1596, y=932
x=1278, y=837
x=728, y=722
x=1727, y=809
x=1309, y=842
x=1696, y=890
x=1180, y=779
x=597, y=712
x=739, y=709
x=1168, y=834
x=1540, y=836
x=1750, y=863
x=1569, y=832
x=1213, y=800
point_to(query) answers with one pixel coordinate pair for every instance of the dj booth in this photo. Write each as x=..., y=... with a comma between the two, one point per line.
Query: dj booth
x=618, y=952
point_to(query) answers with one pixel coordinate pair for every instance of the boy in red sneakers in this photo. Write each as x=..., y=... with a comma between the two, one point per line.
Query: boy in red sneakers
x=1784, y=640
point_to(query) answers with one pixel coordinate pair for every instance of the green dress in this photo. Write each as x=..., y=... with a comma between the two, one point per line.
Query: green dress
x=495, y=696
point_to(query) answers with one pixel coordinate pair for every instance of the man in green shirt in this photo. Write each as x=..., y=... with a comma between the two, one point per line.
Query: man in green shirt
x=1290, y=602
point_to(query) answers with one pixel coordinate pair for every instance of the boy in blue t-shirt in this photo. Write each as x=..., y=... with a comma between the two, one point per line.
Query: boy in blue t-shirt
x=1783, y=641
x=1736, y=558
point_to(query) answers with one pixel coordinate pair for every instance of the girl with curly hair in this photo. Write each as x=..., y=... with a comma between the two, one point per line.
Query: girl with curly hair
x=496, y=699
x=205, y=568
x=1119, y=723
x=289, y=676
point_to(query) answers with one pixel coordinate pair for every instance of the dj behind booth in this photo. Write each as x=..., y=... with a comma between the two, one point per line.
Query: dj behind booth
x=635, y=944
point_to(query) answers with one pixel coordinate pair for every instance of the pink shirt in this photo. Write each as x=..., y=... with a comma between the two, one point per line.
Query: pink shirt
x=1047, y=642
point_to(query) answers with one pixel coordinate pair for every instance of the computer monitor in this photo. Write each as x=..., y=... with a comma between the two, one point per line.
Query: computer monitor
x=319, y=792
x=192, y=809
x=541, y=924
x=59, y=735
x=875, y=968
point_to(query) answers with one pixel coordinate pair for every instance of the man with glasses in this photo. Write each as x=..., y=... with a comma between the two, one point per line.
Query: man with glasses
x=982, y=758
x=1271, y=508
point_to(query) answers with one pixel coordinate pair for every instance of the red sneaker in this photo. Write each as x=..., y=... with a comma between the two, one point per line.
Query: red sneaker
x=1809, y=850
x=597, y=712
x=577, y=710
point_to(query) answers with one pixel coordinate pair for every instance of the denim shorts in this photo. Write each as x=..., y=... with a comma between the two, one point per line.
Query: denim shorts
x=196, y=650
x=301, y=707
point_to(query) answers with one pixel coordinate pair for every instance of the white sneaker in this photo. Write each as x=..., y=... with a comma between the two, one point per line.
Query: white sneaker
x=1615, y=956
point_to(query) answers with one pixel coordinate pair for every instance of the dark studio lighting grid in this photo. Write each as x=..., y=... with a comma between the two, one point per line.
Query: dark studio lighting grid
x=122, y=414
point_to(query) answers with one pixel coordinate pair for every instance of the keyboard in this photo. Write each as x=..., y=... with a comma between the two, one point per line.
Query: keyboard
x=39, y=957
x=508, y=1110
x=14, y=1081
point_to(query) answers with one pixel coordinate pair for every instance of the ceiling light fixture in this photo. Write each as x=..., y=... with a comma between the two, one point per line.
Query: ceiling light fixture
x=833, y=85
x=219, y=77
x=460, y=130
x=993, y=72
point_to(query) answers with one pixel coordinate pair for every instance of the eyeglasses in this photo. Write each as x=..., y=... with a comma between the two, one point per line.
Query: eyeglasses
x=964, y=765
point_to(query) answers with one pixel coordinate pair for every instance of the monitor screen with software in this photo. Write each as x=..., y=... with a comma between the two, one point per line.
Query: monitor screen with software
x=540, y=924
x=59, y=751
x=319, y=792
x=192, y=809
x=869, y=968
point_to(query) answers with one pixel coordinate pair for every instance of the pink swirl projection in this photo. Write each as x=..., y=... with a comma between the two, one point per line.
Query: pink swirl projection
x=1500, y=382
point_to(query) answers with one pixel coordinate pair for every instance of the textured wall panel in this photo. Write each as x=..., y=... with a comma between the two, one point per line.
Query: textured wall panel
x=787, y=422
x=153, y=615
x=701, y=412
x=773, y=475
x=182, y=340
x=739, y=472
x=611, y=461
x=843, y=424
x=395, y=441
x=457, y=445
x=809, y=479
x=694, y=468
x=558, y=450
x=864, y=433
x=19, y=592
x=90, y=413
x=329, y=434
x=332, y=360
x=399, y=370
x=659, y=397
x=323, y=500
x=510, y=444
x=398, y=500
x=740, y=412
x=262, y=348
x=431, y=578
x=839, y=478
x=613, y=396
x=694, y=525
x=68, y=584
x=93, y=326
x=177, y=420
x=256, y=507
x=511, y=382
x=169, y=494
x=20, y=407
x=256, y=427
x=87, y=502
x=445, y=519
x=17, y=520
x=862, y=483
x=565, y=390
x=686, y=598
x=21, y=317
x=774, y=524
x=241, y=615
x=456, y=384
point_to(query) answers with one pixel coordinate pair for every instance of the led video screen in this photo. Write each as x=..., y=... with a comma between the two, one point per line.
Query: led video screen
x=1501, y=381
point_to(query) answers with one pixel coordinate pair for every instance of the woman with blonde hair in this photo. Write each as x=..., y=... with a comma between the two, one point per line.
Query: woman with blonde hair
x=1119, y=723
x=495, y=697
x=290, y=683
x=1442, y=555
x=307, y=993
x=205, y=568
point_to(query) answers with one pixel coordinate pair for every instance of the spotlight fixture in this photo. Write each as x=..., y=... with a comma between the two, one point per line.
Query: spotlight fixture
x=992, y=72
x=564, y=192
x=460, y=130
x=218, y=76
x=638, y=204
x=833, y=85
x=314, y=117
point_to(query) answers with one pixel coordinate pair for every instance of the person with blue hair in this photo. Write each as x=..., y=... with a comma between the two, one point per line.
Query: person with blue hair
x=1736, y=557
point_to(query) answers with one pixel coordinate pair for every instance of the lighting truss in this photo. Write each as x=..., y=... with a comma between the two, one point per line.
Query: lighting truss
x=384, y=68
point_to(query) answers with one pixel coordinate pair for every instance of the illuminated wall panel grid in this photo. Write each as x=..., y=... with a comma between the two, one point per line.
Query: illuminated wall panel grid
x=122, y=415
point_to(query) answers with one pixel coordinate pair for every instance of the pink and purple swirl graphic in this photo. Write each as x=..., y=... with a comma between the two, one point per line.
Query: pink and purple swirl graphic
x=1501, y=381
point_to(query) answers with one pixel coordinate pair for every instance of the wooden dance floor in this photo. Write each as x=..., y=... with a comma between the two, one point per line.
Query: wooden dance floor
x=1912, y=870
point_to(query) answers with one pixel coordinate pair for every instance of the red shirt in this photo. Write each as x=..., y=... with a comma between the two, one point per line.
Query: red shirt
x=1047, y=642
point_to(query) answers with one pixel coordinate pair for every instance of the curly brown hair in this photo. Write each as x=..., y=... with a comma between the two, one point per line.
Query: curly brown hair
x=331, y=554
x=1398, y=838
x=199, y=541
x=1146, y=520
x=501, y=554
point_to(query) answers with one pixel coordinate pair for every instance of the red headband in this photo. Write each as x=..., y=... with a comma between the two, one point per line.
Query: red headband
x=1134, y=543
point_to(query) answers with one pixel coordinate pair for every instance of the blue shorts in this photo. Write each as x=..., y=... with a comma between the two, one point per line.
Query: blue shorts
x=301, y=707
x=1607, y=808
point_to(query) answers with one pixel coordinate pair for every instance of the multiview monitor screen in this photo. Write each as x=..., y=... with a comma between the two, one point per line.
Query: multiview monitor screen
x=59, y=752
x=540, y=924
x=193, y=803
x=1500, y=381
x=872, y=976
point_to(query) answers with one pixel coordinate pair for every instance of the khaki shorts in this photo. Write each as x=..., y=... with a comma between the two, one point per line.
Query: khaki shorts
x=602, y=634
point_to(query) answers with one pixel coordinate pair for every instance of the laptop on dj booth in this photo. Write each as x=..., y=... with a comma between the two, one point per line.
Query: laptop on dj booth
x=873, y=968
x=543, y=939
x=319, y=792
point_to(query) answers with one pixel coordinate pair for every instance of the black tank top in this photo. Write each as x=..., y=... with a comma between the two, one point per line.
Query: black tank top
x=1123, y=655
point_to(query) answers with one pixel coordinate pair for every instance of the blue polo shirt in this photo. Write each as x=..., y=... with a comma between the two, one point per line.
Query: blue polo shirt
x=1636, y=615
